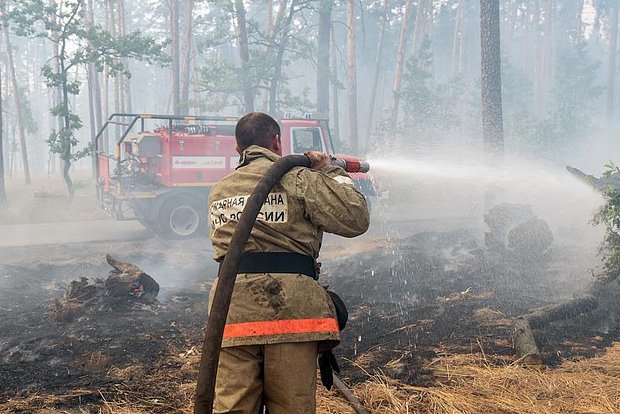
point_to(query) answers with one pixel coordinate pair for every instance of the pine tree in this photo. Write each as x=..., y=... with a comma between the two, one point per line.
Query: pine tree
x=78, y=43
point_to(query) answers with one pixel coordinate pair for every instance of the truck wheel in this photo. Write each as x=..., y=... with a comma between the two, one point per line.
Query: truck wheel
x=183, y=217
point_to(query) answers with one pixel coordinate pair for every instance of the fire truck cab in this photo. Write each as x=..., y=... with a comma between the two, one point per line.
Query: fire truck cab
x=162, y=176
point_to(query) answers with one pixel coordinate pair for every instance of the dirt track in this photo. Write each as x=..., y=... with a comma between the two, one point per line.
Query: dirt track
x=25, y=235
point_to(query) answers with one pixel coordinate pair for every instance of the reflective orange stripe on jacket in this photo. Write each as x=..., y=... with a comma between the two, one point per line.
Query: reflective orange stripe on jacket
x=280, y=327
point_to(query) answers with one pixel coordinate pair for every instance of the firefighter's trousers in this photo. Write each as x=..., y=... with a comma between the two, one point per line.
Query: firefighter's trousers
x=281, y=376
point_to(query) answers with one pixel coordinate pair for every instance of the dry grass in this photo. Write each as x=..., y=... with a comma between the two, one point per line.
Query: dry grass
x=44, y=404
x=466, y=384
x=469, y=384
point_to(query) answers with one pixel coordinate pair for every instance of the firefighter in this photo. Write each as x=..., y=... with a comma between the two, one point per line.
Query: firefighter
x=280, y=317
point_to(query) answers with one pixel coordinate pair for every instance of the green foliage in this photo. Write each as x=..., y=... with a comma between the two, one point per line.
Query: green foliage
x=429, y=107
x=575, y=94
x=222, y=79
x=603, y=7
x=28, y=118
x=609, y=216
x=523, y=132
x=222, y=82
x=296, y=103
x=79, y=43
x=574, y=101
x=63, y=142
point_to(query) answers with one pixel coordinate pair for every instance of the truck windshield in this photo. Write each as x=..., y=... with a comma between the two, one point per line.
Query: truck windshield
x=306, y=139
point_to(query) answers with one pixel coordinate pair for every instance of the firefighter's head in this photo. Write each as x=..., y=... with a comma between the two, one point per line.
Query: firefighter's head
x=257, y=128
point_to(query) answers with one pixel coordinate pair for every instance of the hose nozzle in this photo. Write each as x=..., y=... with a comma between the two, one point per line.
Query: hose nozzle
x=351, y=166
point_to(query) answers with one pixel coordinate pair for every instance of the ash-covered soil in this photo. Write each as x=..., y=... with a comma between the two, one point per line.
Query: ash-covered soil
x=442, y=293
x=40, y=354
x=409, y=300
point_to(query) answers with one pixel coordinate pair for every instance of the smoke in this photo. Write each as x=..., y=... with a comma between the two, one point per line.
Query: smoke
x=599, y=149
x=452, y=188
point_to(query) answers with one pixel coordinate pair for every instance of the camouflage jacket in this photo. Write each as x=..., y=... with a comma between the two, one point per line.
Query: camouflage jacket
x=276, y=308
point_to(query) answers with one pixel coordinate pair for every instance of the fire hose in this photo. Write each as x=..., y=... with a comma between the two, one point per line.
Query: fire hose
x=205, y=389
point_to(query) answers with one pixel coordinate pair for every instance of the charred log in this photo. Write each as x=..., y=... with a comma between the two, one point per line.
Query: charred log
x=531, y=237
x=600, y=184
x=125, y=285
x=129, y=279
x=515, y=229
x=524, y=341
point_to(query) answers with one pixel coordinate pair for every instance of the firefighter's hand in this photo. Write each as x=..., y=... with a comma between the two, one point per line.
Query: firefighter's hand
x=318, y=159
x=328, y=364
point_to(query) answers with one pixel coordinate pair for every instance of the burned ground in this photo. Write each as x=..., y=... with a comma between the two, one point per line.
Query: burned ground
x=410, y=301
x=39, y=353
x=438, y=293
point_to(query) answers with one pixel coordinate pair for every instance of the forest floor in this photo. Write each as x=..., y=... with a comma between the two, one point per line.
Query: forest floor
x=429, y=330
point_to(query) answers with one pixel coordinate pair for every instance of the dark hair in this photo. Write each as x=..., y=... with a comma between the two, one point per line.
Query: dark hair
x=256, y=128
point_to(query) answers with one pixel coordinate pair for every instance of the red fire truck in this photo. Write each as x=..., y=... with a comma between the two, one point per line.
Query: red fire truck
x=161, y=176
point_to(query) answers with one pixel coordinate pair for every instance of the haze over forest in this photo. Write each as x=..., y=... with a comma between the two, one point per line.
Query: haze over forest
x=483, y=254
x=389, y=74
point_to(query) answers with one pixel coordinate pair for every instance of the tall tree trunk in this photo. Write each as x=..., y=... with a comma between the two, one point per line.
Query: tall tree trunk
x=244, y=55
x=491, y=78
x=97, y=101
x=611, y=61
x=511, y=9
x=275, y=24
x=174, y=52
x=335, y=89
x=116, y=92
x=127, y=93
x=277, y=74
x=375, y=77
x=117, y=104
x=549, y=57
x=120, y=18
x=12, y=144
x=125, y=80
x=2, y=189
x=91, y=118
x=12, y=151
x=197, y=99
x=579, y=20
x=471, y=42
x=427, y=31
x=457, y=40
x=186, y=68
x=418, y=29
x=57, y=93
x=90, y=71
x=51, y=102
x=527, y=35
x=538, y=62
x=106, y=80
x=400, y=59
x=269, y=18
x=352, y=74
x=18, y=105
x=323, y=49
x=66, y=155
